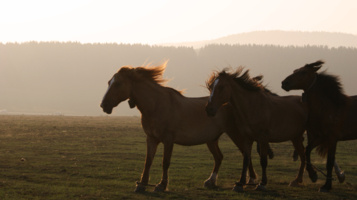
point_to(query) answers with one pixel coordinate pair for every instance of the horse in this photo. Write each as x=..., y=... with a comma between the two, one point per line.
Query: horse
x=332, y=115
x=260, y=116
x=170, y=118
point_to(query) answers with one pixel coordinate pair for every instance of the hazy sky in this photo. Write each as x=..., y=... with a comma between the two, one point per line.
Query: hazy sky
x=159, y=21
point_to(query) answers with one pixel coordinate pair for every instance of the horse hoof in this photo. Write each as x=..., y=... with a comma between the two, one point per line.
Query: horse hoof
x=260, y=188
x=238, y=188
x=159, y=188
x=341, y=177
x=295, y=184
x=140, y=188
x=322, y=189
x=314, y=178
x=209, y=184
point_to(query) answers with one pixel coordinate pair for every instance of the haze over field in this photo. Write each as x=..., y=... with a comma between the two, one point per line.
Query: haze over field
x=57, y=56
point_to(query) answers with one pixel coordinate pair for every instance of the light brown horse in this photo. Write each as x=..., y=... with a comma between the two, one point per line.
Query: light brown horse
x=332, y=114
x=169, y=117
x=261, y=115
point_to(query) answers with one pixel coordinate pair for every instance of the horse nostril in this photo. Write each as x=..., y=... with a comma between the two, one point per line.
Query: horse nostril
x=102, y=105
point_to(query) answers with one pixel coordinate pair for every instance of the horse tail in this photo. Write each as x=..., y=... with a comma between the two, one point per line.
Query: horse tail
x=322, y=150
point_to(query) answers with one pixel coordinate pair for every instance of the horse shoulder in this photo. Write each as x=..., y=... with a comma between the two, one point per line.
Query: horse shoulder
x=148, y=126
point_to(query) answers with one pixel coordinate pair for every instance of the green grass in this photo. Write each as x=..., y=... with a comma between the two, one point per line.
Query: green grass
x=102, y=157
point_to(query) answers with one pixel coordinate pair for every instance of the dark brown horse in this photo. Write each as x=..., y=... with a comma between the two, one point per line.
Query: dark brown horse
x=170, y=118
x=260, y=115
x=332, y=114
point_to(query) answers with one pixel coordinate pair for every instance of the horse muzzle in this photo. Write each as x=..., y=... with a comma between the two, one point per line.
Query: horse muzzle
x=285, y=85
x=106, y=108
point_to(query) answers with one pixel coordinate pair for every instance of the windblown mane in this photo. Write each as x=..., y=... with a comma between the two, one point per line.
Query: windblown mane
x=331, y=87
x=244, y=80
x=148, y=72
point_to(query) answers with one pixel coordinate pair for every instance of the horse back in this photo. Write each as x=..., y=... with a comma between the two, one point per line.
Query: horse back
x=288, y=106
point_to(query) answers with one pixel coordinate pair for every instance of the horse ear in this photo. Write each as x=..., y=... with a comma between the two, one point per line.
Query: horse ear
x=316, y=65
x=132, y=104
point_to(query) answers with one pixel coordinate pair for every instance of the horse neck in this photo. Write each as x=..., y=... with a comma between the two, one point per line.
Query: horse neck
x=147, y=96
x=240, y=100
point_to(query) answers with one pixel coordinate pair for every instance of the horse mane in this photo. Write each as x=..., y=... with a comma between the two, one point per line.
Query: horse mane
x=331, y=87
x=147, y=72
x=244, y=80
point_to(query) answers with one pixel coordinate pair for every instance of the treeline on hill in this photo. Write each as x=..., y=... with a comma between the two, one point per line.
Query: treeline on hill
x=72, y=77
x=278, y=37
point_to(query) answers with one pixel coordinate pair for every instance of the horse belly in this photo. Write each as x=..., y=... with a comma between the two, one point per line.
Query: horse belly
x=349, y=133
x=287, y=134
x=196, y=137
x=287, y=127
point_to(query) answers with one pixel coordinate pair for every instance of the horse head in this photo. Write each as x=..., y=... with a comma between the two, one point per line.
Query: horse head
x=302, y=78
x=119, y=89
x=220, y=93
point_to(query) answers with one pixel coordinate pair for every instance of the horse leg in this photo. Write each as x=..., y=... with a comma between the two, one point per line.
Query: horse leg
x=329, y=165
x=270, y=151
x=339, y=173
x=239, y=142
x=296, y=153
x=252, y=175
x=299, y=147
x=238, y=187
x=312, y=173
x=151, y=146
x=218, y=157
x=264, y=147
x=162, y=186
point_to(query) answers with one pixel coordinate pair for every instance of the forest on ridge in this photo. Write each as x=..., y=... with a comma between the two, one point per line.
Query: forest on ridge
x=70, y=77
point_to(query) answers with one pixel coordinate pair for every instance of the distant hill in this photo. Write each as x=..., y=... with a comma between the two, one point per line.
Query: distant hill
x=281, y=38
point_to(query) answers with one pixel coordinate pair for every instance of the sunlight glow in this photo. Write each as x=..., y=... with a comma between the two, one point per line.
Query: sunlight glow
x=158, y=21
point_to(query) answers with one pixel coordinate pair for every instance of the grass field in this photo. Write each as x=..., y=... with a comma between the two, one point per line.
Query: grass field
x=102, y=157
